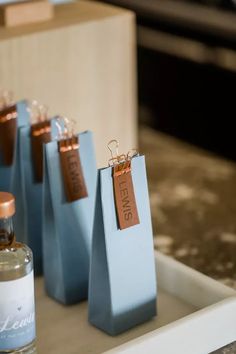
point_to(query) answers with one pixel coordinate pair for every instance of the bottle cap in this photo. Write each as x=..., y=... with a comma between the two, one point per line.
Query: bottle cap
x=7, y=205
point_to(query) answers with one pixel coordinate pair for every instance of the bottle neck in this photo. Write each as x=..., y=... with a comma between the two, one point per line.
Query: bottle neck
x=6, y=233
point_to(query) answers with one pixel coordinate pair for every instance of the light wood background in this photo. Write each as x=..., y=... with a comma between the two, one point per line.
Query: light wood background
x=83, y=65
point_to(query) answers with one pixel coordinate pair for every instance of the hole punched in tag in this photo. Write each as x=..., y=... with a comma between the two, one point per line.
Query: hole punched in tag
x=71, y=168
x=40, y=134
x=125, y=200
x=8, y=127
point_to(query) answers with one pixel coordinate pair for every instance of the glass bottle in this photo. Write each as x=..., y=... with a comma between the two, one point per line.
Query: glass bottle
x=17, y=310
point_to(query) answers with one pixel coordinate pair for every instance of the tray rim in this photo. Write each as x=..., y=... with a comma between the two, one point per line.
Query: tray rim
x=216, y=290
x=223, y=302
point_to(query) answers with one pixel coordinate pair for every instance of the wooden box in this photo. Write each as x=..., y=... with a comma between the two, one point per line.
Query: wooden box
x=82, y=64
x=26, y=12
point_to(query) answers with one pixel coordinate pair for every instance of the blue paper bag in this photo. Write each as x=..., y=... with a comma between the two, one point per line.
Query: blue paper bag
x=32, y=195
x=67, y=226
x=11, y=175
x=122, y=286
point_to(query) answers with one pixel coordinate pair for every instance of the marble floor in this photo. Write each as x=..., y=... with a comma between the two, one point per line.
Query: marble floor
x=193, y=202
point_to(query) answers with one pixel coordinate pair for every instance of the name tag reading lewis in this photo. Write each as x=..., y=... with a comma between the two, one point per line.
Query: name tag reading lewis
x=40, y=134
x=126, y=207
x=8, y=129
x=74, y=183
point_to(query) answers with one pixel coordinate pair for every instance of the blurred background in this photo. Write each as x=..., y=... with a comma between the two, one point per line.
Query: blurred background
x=187, y=69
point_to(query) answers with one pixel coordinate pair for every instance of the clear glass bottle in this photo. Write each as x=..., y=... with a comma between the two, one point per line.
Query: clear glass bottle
x=17, y=309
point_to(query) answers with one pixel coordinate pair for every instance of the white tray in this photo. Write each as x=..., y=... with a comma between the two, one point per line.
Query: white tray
x=196, y=316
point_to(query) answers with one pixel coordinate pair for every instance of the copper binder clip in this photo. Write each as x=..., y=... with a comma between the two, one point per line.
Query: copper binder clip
x=8, y=115
x=125, y=201
x=71, y=168
x=40, y=134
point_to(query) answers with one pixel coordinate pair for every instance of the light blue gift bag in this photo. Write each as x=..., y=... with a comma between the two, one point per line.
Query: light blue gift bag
x=122, y=286
x=10, y=175
x=33, y=189
x=67, y=225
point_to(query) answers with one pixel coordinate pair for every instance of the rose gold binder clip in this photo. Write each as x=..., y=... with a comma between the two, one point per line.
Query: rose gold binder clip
x=67, y=138
x=8, y=115
x=120, y=162
x=40, y=134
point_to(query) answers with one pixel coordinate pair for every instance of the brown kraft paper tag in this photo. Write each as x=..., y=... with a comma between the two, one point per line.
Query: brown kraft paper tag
x=8, y=128
x=40, y=134
x=124, y=196
x=74, y=183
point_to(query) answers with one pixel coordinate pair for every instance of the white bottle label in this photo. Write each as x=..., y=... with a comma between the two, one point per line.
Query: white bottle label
x=17, y=313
